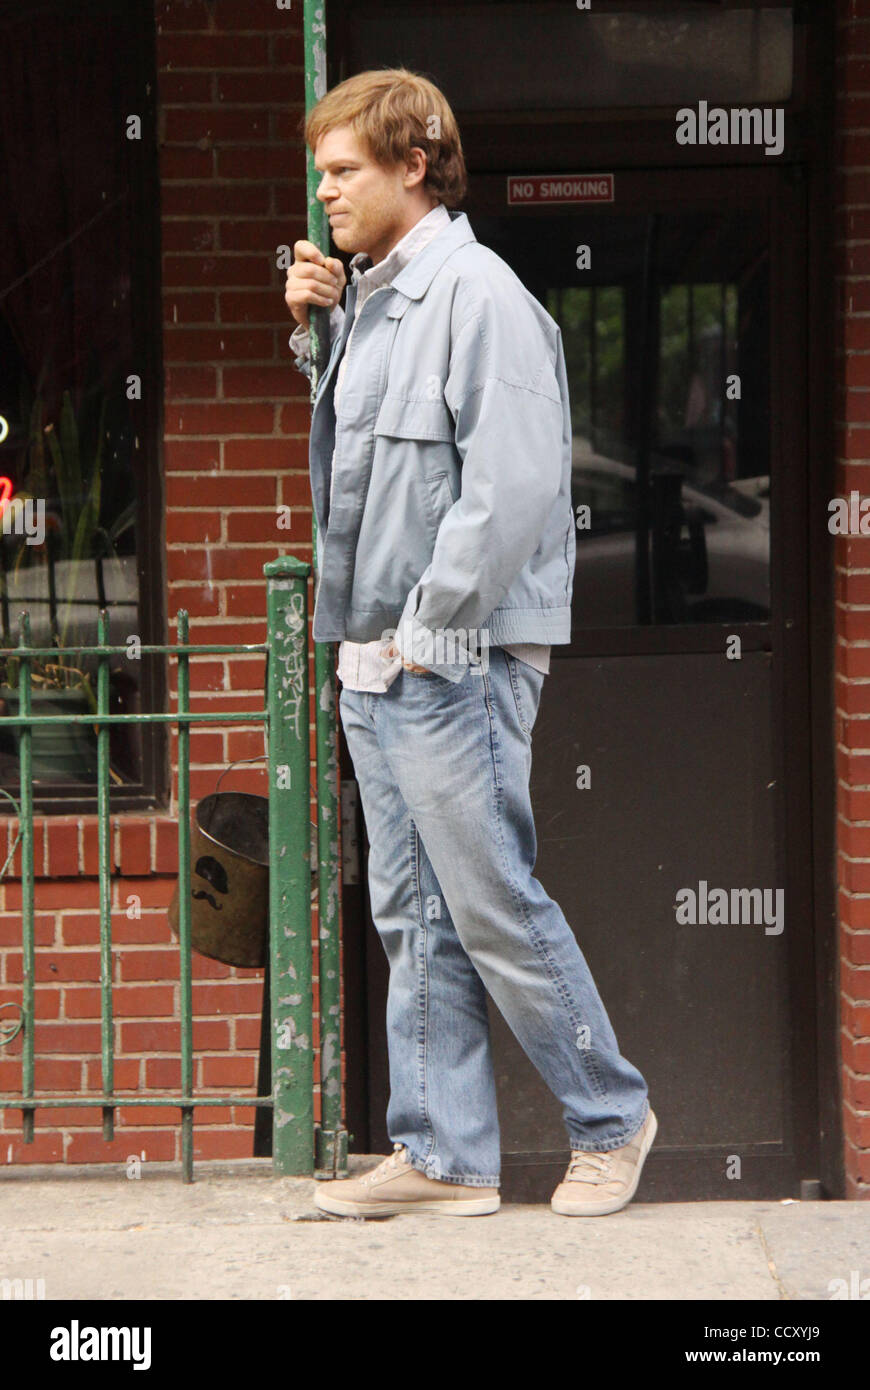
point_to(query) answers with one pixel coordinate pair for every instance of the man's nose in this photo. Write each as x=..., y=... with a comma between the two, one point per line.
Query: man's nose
x=324, y=189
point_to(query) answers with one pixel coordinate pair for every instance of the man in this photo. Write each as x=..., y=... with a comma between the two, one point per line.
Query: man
x=440, y=469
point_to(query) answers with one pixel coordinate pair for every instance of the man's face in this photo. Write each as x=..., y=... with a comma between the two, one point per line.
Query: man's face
x=370, y=207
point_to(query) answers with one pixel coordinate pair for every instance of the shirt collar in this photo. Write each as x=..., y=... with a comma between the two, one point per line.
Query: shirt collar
x=413, y=241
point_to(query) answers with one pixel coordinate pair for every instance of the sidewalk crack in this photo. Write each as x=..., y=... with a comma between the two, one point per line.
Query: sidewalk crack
x=771, y=1263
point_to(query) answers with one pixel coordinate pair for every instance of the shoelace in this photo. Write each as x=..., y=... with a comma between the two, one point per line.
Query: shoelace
x=387, y=1164
x=589, y=1167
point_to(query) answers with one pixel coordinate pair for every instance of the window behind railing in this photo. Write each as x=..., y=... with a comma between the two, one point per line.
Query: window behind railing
x=80, y=377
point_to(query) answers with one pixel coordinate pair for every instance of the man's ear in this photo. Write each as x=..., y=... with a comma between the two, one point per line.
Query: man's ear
x=415, y=167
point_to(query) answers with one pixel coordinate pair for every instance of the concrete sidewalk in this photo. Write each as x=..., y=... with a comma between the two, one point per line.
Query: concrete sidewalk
x=239, y=1233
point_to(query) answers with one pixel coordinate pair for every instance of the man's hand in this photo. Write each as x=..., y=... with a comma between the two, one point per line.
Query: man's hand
x=392, y=650
x=312, y=279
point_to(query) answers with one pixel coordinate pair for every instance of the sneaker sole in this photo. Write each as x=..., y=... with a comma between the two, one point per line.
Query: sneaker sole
x=562, y=1207
x=462, y=1206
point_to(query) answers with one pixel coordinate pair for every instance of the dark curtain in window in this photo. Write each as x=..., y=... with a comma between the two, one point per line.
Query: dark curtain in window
x=75, y=268
x=64, y=250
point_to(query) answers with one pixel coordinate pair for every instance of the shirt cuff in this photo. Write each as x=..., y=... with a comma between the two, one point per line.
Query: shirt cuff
x=300, y=338
x=299, y=341
x=300, y=346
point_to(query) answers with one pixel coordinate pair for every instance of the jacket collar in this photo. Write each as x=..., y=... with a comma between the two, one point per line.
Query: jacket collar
x=414, y=280
x=418, y=274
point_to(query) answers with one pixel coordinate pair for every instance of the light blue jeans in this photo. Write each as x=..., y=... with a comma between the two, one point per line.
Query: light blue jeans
x=443, y=771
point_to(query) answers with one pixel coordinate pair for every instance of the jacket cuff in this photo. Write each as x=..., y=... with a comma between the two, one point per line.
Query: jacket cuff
x=420, y=644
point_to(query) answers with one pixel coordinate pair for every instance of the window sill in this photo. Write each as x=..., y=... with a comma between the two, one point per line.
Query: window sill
x=142, y=844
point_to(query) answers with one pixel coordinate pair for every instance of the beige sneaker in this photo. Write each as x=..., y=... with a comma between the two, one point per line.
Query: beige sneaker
x=599, y=1183
x=395, y=1186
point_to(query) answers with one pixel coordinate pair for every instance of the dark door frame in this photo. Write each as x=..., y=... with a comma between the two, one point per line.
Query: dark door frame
x=805, y=582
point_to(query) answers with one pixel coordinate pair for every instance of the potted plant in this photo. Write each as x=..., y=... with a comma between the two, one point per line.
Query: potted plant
x=62, y=753
x=65, y=463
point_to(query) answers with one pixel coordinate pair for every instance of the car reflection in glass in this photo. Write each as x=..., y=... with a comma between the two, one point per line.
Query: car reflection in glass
x=708, y=547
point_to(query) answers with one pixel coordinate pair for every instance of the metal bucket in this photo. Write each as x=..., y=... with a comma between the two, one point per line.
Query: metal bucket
x=229, y=879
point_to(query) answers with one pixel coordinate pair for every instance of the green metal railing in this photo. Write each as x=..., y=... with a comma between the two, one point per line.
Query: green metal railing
x=298, y=1146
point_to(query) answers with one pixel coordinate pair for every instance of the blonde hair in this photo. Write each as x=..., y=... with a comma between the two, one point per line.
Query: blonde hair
x=392, y=110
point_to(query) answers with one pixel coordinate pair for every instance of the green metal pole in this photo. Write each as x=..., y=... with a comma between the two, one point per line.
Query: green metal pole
x=290, y=868
x=185, y=974
x=104, y=852
x=331, y=1134
x=25, y=776
x=314, y=23
x=331, y=1154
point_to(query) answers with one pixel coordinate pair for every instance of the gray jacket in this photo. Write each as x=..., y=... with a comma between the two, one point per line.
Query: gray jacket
x=451, y=496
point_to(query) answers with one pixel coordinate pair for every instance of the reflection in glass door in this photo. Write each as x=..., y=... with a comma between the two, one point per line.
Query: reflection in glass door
x=665, y=343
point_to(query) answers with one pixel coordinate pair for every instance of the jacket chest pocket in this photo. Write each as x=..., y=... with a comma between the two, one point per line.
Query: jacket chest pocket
x=398, y=418
x=419, y=435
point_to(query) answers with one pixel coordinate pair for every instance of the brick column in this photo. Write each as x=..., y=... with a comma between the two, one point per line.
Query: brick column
x=236, y=414
x=852, y=369
x=231, y=97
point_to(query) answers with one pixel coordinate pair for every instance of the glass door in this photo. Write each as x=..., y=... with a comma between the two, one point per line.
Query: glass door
x=671, y=754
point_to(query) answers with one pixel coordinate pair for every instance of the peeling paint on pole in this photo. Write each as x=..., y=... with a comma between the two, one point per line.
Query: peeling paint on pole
x=290, y=867
x=331, y=1136
x=314, y=25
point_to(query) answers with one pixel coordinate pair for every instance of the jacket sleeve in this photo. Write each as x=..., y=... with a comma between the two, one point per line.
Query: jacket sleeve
x=503, y=393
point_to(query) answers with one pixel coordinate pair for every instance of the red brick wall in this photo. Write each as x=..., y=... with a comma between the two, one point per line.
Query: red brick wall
x=232, y=169
x=853, y=580
x=230, y=91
